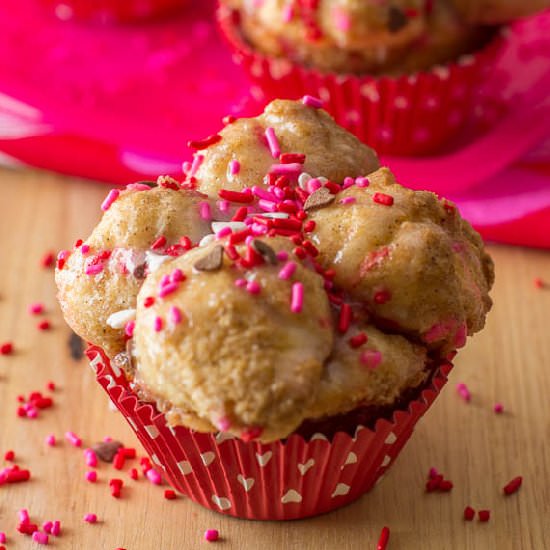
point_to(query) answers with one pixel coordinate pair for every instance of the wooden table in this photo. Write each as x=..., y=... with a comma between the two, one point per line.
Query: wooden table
x=477, y=449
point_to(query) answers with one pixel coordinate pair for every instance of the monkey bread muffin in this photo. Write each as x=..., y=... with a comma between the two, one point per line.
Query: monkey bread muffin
x=300, y=312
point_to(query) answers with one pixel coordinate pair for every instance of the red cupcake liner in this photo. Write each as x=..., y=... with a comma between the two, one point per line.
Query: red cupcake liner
x=287, y=479
x=408, y=115
x=111, y=10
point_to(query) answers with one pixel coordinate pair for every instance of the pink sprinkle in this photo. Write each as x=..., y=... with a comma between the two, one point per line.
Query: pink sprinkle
x=223, y=205
x=292, y=168
x=370, y=358
x=23, y=515
x=90, y=518
x=154, y=477
x=3, y=538
x=342, y=20
x=234, y=167
x=177, y=276
x=73, y=439
x=165, y=280
x=433, y=473
x=91, y=476
x=348, y=182
x=288, y=13
x=197, y=161
x=56, y=529
x=211, y=535
x=273, y=143
x=36, y=308
x=498, y=408
x=185, y=167
x=348, y=200
x=311, y=101
x=240, y=283
x=464, y=392
x=85, y=249
x=50, y=440
x=204, y=210
x=460, y=336
x=263, y=194
x=267, y=206
x=111, y=197
x=282, y=256
x=224, y=424
x=32, y=412
x=91, y=458
x=170, y=288
x=129, y=328
x=137, y=187
x=223, y=232
x=313, y=184
x=175, y=315
x=158, y=324
x=47, y=527
x=93, y=269
x=297, y=301
x=253, y=287
x=287, y=270
x=39, y=537
x=362, y=182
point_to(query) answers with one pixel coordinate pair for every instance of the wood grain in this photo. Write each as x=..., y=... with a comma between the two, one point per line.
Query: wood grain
x=477, y=449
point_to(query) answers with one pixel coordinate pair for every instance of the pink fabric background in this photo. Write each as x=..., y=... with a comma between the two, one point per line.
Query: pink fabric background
x=119, y=103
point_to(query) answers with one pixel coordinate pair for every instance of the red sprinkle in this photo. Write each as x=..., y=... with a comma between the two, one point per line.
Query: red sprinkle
x=9, y=456
x=513, y=486
x=358, y=340
x=382, y=296
x=251, y=433
x=6, y=348
x=539, y=283
x=236, y=196
x=204, y=143
x=291, y=158
x=384, y=538
x=469, y=513
x=47, y=260
x=159, y=243
x=149, y=301
x=484, y=515
x=345, y=318
x=169, y=494
x=382, y=198
x=44, y=325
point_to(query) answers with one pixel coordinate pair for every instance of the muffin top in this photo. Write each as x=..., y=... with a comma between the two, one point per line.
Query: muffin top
x=323, y=285
x=358, y=36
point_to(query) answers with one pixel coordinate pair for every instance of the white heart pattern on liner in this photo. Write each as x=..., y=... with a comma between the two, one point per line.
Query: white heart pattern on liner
x=152, y=431
x=264, y=459
x=340, y=490
x=391, y=439
x=291, y=496
x=96, y=362
x=320, y=436
x=223, y=436
x=221, y=502
x=351, y=459
x=185, y=467
x=386, y=461
x=303, y=468
x=111, y=383
x=207, y=458
x=246, y=482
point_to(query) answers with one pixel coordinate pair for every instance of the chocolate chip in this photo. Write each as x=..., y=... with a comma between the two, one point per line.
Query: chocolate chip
x=265, y=251
x=212, y=261
x=396, y=19
x=76, y=346
x=106, y=450
x=321, y=197
x=139, y=271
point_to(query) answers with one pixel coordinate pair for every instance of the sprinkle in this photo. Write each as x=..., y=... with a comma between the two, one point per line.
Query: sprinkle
x=345, y=318
x=321, y=197
x=85, y=249
x=251, y=433
x=119, y=319
x=297, y=300
x=253, y=287
x=382, y=198
x=313, y=184
x=133, y=473
x=90, y=458
x=6, y=348
x=240, y=283
x=141, y=186
x=73, y=439
x=245, y=197
x=50, y=440
x=484, y=515
x=169, y=494
x=158, y=243
x=23, y=515
x=272, y=143
x=348, y=200
x=539, y=283
x=211, y=535
x=40, y=538
x=382, y=296
x=287, y=270
x=513, y=486
x=358, y=340
x=91, y=476
x=204, y=143
x=370, y=358
x=158, y=323
x=234, y=167
x=111, y=197
x=498, y=408
x=197, y=161
x=384, y=538
x=62, y=258
x=175, y=315
x=213, y=261
x=154, y=477
x=469, y=513
x=3, y=538
x=36, y=308
x=168, y=289
x=233, y=226
x=129, y=328
x=290, y=169
x=90, y=518
x=311, y=101
x=93, y=269
x=56, y=529
x=291, y=158
x=204, y=211
x=47, y=260
x=116, y=486
x=464, y=392
x=9, y=456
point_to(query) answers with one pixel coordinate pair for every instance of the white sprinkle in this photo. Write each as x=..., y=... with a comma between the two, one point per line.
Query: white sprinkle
x=120, y=318
x=303, y=178
x=234, y=226
x=154, y=261
x=276, y=215
x=207, y=239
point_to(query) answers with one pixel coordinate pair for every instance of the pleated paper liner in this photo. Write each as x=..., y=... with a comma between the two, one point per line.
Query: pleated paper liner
x=288, y=479
x=408, y=115
x=112, y=11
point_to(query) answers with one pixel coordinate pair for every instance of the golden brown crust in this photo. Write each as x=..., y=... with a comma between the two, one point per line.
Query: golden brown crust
x=493, y=12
